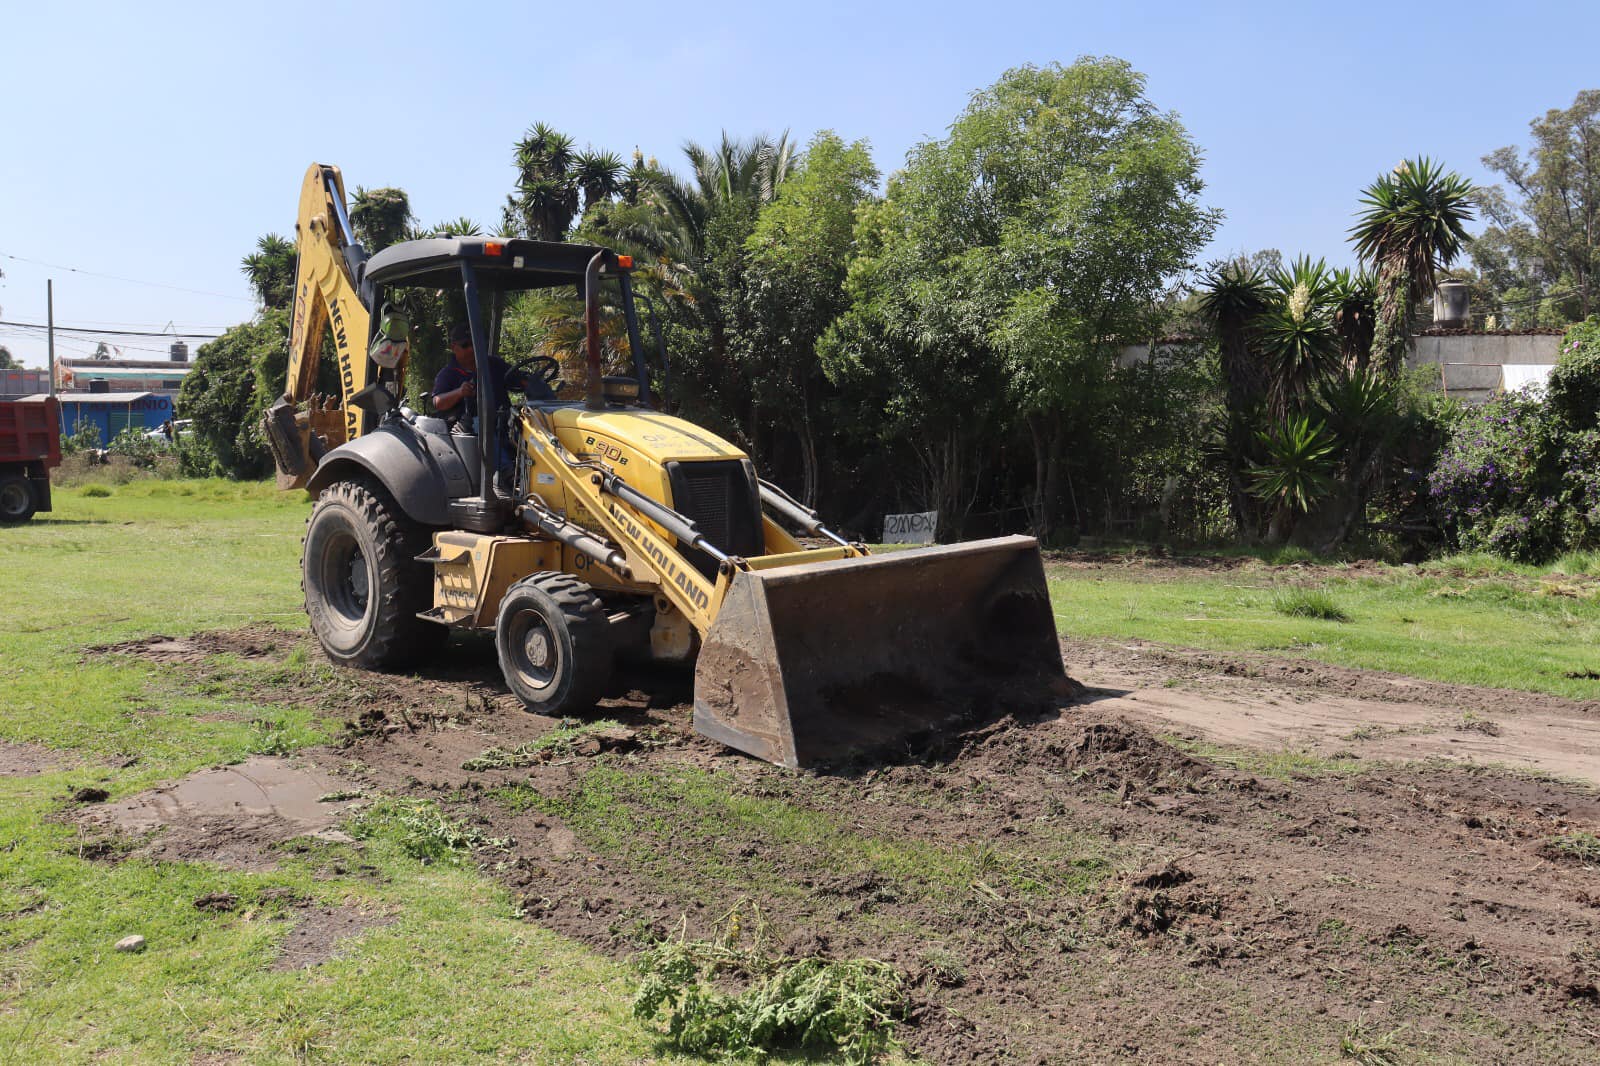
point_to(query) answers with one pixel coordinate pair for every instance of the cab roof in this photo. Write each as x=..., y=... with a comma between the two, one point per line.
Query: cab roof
x=500, y=263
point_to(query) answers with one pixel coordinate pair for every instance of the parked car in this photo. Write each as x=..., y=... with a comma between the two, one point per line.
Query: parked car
x=179, y=428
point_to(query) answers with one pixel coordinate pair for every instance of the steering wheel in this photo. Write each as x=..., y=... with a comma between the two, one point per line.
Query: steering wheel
x=542, y=367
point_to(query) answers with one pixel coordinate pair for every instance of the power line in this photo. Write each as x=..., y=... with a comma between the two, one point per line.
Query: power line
x=77, y=343
x=114, y=332
x=131, y=281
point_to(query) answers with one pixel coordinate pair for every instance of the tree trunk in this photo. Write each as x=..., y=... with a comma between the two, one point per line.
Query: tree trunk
x=1038, y=513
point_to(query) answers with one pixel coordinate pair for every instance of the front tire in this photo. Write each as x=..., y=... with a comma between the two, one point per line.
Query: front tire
x=17, y=502
x=554, y=644
x=362, y=583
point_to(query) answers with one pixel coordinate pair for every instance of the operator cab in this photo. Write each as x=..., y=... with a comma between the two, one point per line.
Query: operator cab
x=485, y=270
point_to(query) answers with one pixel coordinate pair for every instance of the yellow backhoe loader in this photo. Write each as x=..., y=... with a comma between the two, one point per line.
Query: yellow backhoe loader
x=624, y=530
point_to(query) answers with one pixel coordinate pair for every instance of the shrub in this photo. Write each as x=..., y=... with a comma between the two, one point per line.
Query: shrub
x=140, y=450
x=1574, y=386
x=85, y=436
x=1498, y=485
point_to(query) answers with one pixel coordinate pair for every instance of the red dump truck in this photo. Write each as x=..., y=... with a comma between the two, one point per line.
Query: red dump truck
x=30, y=445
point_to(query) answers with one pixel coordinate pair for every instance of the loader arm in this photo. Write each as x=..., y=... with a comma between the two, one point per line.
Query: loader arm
x=327, y=298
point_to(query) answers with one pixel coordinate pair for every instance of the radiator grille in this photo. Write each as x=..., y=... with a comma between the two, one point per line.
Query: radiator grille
x=719, y=496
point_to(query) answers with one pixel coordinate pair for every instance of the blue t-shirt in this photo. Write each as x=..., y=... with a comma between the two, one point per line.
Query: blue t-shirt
x=454, y=375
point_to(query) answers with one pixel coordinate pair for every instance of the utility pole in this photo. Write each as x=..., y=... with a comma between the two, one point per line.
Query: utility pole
x=50, y=327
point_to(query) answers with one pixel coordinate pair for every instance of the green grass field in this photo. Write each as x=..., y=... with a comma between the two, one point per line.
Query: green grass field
x=457, y=976
x=1466, y=621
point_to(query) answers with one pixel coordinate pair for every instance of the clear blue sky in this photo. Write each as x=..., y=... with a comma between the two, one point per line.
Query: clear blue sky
x=157, y=141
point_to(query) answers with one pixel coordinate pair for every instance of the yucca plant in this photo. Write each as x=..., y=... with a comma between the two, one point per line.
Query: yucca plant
x=1297, y=471
x=1311, y=278
x=1352, y=295
x=1232, y=297
x=1414, y=223
x=1300, y=348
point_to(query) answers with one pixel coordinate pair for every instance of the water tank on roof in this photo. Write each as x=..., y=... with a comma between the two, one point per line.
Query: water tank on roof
x=99, y=385
x=1452, y=308
x=180, y=352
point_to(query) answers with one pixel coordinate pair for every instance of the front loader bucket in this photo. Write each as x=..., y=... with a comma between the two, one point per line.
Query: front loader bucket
x=816, y=662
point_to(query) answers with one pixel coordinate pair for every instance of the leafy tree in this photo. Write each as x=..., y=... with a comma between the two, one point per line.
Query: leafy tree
x=222, y=395
x=7, y=360
x=1414, y=223
x=102, y=352
x=1038, y=234
x=910, y=383
x=270, y=270
x=793, y=288
x=1541, y=249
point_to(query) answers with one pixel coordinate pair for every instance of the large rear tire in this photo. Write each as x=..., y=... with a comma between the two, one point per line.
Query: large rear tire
x=362, y=583
x=17, y=502
x=554, y=643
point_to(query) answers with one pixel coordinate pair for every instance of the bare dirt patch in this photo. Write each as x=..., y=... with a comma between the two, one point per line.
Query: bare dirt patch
x=18, y=759
x=1264, y=702
x=248, y=642
x=320, y=933
x=231, y=816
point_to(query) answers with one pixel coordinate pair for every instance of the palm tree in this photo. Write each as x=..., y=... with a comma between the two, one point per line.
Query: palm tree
x=734, y=176
x=1300, y=348
x=1233, y=297
x=270, y=270
x=1414, y=223
x=1296, y=335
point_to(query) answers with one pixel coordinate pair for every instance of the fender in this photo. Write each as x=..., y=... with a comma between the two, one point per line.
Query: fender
x=420, y=470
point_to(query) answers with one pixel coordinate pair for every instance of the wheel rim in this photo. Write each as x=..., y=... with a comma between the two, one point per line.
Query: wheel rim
x=13, y=499
x=346, y=578
x=534, y=652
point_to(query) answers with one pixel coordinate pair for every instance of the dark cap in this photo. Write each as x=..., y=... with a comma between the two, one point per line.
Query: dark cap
x=460, y=333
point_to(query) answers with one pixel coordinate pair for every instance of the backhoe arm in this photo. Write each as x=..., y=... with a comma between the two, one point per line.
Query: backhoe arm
x=326, y=299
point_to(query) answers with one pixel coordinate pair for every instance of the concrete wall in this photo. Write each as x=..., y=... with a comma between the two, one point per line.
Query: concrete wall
x=1469, y=364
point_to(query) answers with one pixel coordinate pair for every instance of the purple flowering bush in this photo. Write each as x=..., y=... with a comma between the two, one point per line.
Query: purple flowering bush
x=1520, y=476
x=1498, y=484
